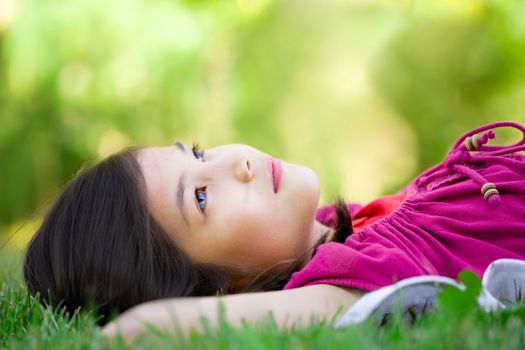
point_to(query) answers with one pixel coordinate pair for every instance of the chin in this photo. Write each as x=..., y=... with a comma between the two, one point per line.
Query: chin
x=305, y=191
x=311, y=182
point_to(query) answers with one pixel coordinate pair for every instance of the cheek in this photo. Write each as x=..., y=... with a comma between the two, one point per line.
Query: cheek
x=255, y=232
x=266, y=239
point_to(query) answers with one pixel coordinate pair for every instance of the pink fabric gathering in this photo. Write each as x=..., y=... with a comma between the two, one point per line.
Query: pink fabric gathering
x=445, y=224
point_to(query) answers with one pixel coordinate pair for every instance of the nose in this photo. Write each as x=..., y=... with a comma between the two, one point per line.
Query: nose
x=237, y=166
x=242, y=169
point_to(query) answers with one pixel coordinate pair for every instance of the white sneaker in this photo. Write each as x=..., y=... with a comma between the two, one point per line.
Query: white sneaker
x=415, y=295
x=503, y=283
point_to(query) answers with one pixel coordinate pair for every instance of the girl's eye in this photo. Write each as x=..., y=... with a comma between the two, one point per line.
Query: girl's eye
x=200, y=193
x=197, y=151
x=200, y=196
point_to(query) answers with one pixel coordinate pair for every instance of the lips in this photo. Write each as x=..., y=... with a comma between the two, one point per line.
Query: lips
x=274, y=167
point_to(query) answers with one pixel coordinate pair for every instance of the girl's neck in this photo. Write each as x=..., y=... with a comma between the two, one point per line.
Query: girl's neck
x=321, y=234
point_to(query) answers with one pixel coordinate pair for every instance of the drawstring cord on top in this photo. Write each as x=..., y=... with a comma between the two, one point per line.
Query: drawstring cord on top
x=462, y=152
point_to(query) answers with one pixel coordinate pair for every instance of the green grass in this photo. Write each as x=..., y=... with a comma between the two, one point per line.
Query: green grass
x=457, y=324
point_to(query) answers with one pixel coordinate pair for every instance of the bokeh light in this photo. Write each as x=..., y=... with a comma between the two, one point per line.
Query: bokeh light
x=366, y=93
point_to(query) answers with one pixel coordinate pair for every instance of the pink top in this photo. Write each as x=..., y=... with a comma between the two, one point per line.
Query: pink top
x=442, y=225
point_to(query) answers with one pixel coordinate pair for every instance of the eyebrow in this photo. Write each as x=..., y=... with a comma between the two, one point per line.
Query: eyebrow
x=181, y=146
x=181, y=188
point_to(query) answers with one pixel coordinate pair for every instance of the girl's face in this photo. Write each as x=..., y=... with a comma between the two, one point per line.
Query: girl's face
x=220, y=206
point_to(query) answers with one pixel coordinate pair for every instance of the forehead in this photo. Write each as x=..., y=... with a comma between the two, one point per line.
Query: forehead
x=158, y=164
x=151, y=155
x=162, y=168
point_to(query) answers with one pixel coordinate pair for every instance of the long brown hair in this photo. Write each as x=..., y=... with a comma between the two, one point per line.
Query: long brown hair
x=98, y=245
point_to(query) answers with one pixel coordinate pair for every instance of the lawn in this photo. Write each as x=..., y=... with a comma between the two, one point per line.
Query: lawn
x=457, y=324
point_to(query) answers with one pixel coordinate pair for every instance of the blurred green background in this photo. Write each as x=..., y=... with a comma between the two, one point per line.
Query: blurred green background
x=366, y=92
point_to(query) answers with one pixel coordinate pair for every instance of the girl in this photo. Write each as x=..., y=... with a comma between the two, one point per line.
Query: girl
x=176, y=221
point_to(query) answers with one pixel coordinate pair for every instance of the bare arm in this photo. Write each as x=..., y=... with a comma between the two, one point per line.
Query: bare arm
x=294, y=306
